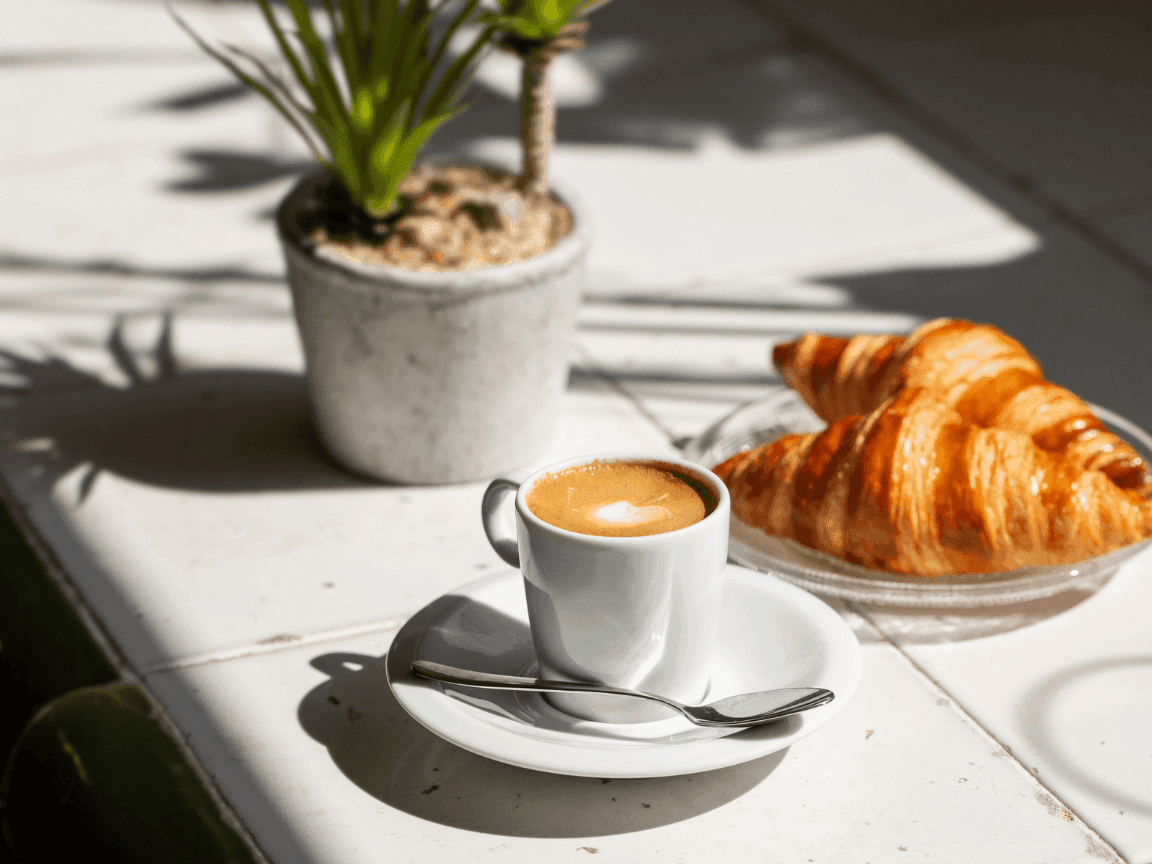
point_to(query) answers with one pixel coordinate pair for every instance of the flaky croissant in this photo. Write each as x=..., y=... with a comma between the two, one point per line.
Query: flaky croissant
x=911, y=488
x=980, y=371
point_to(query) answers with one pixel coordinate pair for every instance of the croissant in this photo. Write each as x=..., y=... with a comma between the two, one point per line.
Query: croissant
x=912, y=488
x=980, y=371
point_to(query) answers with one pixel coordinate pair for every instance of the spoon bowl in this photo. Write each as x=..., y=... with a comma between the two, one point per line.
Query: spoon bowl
x=746, y=709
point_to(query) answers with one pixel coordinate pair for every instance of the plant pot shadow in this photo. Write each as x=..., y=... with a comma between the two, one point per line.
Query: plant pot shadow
x=220, y=430
x=389, y=755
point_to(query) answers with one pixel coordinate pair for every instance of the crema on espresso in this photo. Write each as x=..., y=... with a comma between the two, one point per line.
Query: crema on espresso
x=620, y=499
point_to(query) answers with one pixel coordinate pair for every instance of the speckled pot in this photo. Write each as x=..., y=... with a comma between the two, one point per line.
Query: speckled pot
x=429, y=378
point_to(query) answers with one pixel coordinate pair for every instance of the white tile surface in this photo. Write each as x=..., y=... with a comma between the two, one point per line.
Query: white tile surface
x=1132, y=228
x=1073, y=707
x=107, y=78
x=55, y=27
x=848, y=206
x=689, y=363
x=88, y=110
x=1057, y=93
x=331, y=769
x=157, y=233
x=663, y=33
x=226, y=554
x=666, y=343
x=198, y=512
x=633, y=41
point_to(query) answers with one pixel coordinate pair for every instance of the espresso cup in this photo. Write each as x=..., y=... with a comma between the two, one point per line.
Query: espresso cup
x=629, y=611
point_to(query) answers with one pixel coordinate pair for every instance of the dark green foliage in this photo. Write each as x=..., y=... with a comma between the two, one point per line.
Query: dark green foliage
x=95, y=777
x=44, y=649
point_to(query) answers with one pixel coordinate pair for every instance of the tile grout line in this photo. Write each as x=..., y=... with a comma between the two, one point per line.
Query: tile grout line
x=767, y=325
x=20, y=163
x=22, y=59
x=806, y=40
x=275, y=644
x=618, y=386
x=101, y=268
x=826, y=265
x=104, y=640
x=960, y=709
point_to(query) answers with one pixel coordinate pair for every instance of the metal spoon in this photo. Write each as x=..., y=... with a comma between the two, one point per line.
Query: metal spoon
x=748, y=709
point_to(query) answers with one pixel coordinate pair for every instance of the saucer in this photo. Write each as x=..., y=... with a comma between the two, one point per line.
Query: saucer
x=772, y=634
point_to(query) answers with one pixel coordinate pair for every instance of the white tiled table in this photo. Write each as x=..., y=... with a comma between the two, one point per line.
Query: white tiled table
x=171, y=470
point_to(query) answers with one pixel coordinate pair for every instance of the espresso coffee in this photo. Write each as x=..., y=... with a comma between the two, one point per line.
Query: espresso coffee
x=620, y=499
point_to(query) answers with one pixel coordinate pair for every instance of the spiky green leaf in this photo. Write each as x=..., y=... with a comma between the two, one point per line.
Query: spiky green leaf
x=375, y=93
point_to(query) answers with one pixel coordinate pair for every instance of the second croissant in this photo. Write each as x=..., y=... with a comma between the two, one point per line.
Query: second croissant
x=977, y=369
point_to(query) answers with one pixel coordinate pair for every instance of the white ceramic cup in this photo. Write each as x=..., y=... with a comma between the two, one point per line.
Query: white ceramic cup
x=636, y=612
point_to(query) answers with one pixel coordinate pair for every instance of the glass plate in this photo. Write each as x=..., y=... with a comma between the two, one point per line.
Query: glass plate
x=784, y=412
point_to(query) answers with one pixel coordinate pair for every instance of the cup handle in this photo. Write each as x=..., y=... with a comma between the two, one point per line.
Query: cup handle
x=500, y=520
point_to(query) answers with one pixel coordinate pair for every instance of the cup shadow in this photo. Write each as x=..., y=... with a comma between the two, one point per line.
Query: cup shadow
x=1039, y=721
x=388, y=754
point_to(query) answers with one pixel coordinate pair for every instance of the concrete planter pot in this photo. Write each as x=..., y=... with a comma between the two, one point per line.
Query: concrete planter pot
x=430, y=378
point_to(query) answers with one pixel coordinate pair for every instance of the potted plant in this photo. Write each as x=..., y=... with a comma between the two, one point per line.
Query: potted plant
x=436, y=304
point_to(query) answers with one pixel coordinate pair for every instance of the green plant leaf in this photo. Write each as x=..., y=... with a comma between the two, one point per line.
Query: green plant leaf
x=418, y=137
x=454, y=80
x=347, y=45
x=375, y=94
x=352, y=17
x=267, y=90
x=286, y=50
x=363, y=109
x=388, y=35
x=380, y=196
x=409, y=63
x=534, y=20
x=438, y=55
x=327, y=96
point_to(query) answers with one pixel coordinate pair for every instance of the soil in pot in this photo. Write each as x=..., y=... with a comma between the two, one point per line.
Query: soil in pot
x=451, y=217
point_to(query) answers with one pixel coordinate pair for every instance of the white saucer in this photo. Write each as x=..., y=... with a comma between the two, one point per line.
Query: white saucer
x=772, y=634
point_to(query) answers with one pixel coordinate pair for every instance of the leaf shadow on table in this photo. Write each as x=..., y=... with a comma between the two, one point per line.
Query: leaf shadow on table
x=215, y=430
x=230, y=170
x=1084, y=318
x=388, y=754
x=654, y=73
x=1118, y=677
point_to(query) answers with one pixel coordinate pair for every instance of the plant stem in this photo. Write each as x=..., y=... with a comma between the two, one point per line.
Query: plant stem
x=537, y=124
x=538, y=109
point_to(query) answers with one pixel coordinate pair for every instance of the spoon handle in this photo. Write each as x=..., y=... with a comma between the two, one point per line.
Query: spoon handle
x=468, y=678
